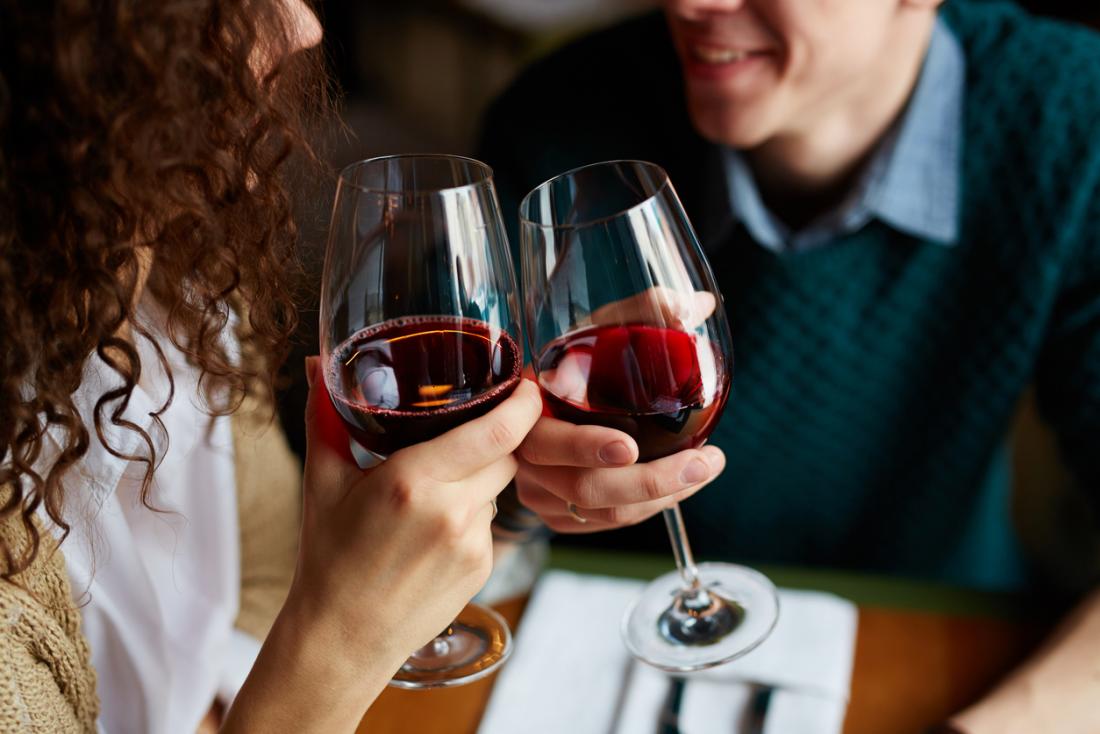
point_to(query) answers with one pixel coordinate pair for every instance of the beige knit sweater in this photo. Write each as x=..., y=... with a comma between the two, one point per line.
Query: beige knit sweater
x=47, y=683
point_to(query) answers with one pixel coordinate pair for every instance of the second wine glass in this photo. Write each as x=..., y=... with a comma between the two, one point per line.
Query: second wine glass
x=420, y=333
x=627, y=330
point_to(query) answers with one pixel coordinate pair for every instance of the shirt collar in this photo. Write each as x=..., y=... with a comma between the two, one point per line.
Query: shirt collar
x=912, y=180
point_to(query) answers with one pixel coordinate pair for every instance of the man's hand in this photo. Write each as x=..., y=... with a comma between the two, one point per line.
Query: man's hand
x=594, y=469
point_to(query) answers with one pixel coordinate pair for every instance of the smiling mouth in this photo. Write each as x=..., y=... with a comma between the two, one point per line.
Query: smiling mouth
x=720, y=55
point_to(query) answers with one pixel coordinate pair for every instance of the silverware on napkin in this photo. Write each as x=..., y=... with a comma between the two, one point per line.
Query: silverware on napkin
x=668, y=722
x=760, y=697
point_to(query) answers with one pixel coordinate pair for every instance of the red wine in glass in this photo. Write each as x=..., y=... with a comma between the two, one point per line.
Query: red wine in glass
x=419, y=332
x=663, y=387
x=629, y=331
x=411, y=379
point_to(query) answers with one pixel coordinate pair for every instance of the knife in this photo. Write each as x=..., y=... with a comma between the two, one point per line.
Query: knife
x=760, y=697
x=668, y=722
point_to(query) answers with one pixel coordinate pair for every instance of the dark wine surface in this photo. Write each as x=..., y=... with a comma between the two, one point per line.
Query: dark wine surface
x=665, y=388
x=409, y=380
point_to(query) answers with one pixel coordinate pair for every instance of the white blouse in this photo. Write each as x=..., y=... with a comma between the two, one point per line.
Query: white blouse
x=158, y=589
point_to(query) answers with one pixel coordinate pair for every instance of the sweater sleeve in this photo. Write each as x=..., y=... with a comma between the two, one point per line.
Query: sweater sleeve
x=14, y=713
x=1067, y=386
x=30, y=696
x=47, y=683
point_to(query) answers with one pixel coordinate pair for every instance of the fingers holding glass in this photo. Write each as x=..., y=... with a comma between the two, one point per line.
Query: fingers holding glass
x=420, y=345
x=612, y=498
x=481, y=441
x=553, y=442
x=628, y=332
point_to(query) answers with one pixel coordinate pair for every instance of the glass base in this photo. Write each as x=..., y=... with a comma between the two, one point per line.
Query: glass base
x=669, y=631
x=700, y=617
x=476, y=644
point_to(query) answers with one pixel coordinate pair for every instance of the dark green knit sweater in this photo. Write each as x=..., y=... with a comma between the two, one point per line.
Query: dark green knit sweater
x=875, y=378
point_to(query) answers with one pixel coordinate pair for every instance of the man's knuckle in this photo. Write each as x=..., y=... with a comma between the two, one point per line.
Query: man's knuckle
x=532, y=451
x=586, y=490
x=652, y=486
x=619, y=515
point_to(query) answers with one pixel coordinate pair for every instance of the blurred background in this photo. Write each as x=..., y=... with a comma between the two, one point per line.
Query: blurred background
x=417, y=75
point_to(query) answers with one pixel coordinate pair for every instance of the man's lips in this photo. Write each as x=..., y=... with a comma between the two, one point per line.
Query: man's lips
x=723, y=61
x=709, y=53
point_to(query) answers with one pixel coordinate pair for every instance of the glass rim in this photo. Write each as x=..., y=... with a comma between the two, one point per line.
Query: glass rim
x=665, y=183
x=344, y=178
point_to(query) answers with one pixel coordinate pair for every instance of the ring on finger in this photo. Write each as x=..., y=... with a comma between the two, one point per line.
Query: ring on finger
x=575, y=513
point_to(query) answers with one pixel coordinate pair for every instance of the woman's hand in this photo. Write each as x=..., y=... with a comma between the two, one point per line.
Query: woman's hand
x=403, y=546
x=388, y=557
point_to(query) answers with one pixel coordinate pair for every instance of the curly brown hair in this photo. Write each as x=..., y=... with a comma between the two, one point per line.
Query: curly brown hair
x=137, y=131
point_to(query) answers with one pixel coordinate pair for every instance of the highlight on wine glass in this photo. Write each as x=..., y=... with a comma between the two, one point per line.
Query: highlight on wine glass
x=627, y=330
x=420, y=333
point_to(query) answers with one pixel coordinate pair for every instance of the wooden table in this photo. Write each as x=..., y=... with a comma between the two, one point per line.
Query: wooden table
x=922, y=652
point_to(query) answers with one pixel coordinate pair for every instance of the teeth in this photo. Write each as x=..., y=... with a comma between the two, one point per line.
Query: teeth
x=719, y=55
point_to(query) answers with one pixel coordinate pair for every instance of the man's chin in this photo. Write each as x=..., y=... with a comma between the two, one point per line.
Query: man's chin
x=733, y=130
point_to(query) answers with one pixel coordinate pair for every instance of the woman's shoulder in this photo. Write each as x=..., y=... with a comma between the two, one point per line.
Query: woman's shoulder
x=47, y=683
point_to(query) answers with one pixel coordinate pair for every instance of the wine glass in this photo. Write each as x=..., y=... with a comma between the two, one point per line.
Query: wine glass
x=627, y=330
x=419, y=334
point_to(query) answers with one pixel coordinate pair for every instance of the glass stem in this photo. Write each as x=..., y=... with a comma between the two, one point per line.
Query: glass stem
x=681, y=549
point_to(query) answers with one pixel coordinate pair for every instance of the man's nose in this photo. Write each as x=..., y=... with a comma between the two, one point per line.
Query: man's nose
x=699, y=10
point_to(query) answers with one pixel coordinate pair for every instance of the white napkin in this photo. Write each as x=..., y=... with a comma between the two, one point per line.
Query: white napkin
x=571, y=674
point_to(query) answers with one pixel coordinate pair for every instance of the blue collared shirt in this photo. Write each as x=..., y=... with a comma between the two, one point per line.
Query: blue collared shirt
x=911, y=182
